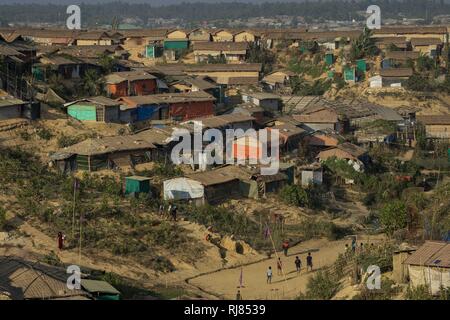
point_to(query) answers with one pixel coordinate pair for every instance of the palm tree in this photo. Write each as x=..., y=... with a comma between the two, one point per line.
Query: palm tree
x=92, y=84
x=363, y=46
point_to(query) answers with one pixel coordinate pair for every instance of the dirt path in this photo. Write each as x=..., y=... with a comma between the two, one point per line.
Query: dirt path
x=224, y=283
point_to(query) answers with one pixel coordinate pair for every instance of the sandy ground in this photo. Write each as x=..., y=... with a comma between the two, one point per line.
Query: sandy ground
x=224, y=284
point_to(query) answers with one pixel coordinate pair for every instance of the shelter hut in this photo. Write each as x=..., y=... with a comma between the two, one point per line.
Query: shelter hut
x=137, y=185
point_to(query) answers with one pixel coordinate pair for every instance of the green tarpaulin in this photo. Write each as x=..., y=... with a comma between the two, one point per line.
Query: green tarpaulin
x=176, y=44
x=82, y=112
x=361, y=65
x=329, y=59
x=136, y=184
x=349, y=74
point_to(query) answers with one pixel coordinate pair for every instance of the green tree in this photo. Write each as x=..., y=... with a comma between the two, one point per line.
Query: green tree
x=92, y=84
x=425, y=63
x=107, y=63
x=364, y=46
x=393, y=216
x=419, y=82
x=294, y=195
x=260, y=54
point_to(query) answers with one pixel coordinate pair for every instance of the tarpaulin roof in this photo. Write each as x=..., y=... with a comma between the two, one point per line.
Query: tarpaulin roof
x=96, y=286
x=182, y=189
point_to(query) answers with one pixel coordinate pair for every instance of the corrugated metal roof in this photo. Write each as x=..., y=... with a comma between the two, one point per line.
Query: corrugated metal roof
x=220, y=46
x=118, y=77
x=396, y=72
x=107, y=145
x=434, y=119
x=432, y=254
x=104, y=101
x=166, y=98
x=425, y=41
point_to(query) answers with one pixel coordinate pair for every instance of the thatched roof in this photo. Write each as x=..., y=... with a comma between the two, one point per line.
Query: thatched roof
x=22, y=279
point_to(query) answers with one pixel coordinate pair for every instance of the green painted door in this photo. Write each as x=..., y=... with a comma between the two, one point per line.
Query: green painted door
x=150, y=51
x=82, y=112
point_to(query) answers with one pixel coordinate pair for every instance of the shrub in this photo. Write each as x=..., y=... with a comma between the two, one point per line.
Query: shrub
x=386, y=292
x=66, y=141
x=44, y=134
x=294, y=195
x=322, y=286
x=393, y=216
x=418, y=293
x=313, y=228
x=224, y=221
x=52, y=259
x=167, y=170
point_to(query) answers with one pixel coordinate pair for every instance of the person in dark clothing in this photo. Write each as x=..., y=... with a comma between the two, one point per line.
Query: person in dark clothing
x=60, y=240
x=354, y=245
x=173, y=213
x=238, y=295
x=309, y=262
x=298, y=264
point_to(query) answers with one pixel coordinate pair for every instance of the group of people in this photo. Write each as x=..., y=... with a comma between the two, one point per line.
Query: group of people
x=172, y=211
x=355, y=248
x=298, y=267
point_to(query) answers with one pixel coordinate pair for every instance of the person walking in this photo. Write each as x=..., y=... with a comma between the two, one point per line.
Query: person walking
x=354, y=245
x=174, y=213
x=279, y=267
x=61, y=238
x=238, y=295
x=298, y=265
x=309, y=262
x=269, y=275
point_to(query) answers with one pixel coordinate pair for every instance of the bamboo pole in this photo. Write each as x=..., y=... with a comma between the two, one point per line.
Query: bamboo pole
x=80, y=238
x=73, y=209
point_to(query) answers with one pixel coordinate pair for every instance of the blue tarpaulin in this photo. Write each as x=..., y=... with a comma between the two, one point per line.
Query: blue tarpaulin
x=147, y=112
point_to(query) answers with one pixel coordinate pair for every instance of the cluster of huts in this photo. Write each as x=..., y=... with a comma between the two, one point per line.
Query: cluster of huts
x=158, y=99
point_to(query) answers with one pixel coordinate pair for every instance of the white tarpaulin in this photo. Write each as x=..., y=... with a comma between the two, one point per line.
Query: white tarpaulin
x=182, y=189
x=434, y=278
